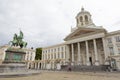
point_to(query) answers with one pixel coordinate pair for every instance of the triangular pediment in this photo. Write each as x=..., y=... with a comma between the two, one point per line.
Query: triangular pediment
x=82, y=32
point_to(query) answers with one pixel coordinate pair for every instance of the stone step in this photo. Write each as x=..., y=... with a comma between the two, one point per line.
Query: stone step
x=85, y=68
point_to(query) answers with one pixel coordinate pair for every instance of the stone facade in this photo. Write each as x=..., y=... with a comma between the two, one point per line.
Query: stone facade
x=87, y=44
x=54, y=56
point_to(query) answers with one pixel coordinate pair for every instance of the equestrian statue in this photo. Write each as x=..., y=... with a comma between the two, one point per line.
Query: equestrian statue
x=18, y=40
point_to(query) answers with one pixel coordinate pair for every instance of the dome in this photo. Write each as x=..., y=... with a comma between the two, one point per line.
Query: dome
x=83, y=12
x=83, y=18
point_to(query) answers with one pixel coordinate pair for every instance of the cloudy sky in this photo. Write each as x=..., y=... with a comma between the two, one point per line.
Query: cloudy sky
x=47, y=22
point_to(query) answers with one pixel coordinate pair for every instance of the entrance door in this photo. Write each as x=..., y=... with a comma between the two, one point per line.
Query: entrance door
x=90, y=59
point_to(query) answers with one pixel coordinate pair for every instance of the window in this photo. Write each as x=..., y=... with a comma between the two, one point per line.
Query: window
x=62, y=48
x=86, y=18
x=111, y=51
x=62, y=55
x=117, y=38
x=48, y=56
x=109, y=40
x=55, y=50
x=51, y=50
x=54, y=56
x=58, y=49
x=81, y=19
x=77, y=21
x=58, y=55
x=118, y=51
x=51, y=56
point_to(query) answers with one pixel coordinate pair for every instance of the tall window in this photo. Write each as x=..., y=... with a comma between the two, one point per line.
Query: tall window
x=118, y=51
x=62, y=55
x=54, y=56
x=86, y=18
x=117, y=38
x=48, y=56
x=62, y=49
x=81, y=19
x=109, y=40
x=58, y=49
x=111, y=50
x=77, y=21
x=58, y=55
x=51, y=56
x=55, y=49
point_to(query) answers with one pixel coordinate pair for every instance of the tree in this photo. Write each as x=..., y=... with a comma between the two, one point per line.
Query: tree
x=38, y=54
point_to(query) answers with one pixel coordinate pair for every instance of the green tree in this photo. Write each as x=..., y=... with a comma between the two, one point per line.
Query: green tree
x=38, y=54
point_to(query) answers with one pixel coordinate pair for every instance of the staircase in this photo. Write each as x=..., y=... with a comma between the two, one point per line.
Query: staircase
x=85, y=68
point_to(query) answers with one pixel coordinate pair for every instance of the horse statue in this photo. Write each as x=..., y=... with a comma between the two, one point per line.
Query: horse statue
x=17, y=40
x=14, y=42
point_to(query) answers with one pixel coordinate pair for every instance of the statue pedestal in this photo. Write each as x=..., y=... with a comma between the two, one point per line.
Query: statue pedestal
x=13, y=61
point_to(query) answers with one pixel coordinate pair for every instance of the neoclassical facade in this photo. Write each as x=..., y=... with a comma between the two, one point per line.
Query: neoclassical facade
x=87, y=44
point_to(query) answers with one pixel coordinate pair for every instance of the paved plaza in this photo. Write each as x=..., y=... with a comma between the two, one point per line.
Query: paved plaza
x=51, y=75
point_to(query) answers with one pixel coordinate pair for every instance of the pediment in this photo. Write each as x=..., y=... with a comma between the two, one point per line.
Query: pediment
x=82, y=32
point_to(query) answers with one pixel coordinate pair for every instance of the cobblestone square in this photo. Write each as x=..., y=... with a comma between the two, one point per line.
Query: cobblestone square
x=45, y=75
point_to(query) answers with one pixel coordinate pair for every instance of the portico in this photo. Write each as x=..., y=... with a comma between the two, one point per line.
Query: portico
x=87, y=52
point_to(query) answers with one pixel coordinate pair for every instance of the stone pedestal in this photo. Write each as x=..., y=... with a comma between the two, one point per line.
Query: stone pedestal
x=14, y=61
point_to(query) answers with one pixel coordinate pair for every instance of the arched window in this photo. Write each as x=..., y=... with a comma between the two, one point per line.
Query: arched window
x=81, y=18
x=77, y=21
x=86, y=18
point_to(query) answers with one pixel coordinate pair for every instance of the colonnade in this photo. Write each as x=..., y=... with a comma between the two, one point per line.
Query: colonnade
x=87, y=52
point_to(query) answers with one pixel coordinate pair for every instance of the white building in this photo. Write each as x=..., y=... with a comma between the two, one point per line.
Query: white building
x=87, y=44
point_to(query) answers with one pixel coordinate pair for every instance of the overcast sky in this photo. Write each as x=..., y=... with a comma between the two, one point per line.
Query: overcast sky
x=47, y=22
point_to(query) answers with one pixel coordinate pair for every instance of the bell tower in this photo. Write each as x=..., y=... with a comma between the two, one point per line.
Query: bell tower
x=83, y=19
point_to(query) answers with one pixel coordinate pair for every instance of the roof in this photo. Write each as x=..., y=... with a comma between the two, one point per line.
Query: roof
x=54, y=45
x=113, y=33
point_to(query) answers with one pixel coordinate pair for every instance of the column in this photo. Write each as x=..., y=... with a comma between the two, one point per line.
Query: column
x=38, y=67
x=105, y=50
x=87, y=54
x=79, y=56
x=28, y=65
x=115, y=48
x=96, y=54
x=35, y=65
x=41, y=66
x=50, y=54
x=64, y=53
x=44, y=57
x=72, y=47
x=67, y=52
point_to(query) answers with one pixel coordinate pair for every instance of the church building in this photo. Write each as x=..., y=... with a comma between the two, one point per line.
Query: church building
x=87, y=44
